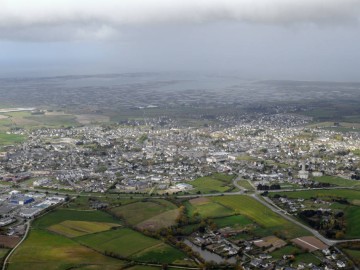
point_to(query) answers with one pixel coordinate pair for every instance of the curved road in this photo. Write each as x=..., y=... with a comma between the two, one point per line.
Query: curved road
x=269, y=204
x=13, y=250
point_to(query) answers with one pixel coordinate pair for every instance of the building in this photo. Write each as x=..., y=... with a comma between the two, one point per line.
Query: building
x=21, y=199
x=29, y=212
x=303, y=173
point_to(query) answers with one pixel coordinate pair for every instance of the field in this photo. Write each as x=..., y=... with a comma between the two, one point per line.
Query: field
x=342, y=126
x=131, y=244
x=207, y=208
x=70, y=228
x=56, y=252
x=215, y=183
x=27, y=120
x=259, y=213
x=352, y=216
x=245, y=184
x=351, y=209
x=235, y=222
x=3, y=252
x=152, y=214
x=351, y=195
x=9, y=139
x=162, y=220
x=9, y=241
x=353, y=254
x=338, y=181
x=62, y=215
x=300, y=255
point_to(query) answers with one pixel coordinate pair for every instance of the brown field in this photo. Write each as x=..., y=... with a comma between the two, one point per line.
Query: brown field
x=162, y=220
x=3, y=116
x=309, y=243
x=199, y=201
x=9, y=241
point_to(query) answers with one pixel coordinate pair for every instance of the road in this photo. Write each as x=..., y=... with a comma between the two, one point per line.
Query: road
x=269, y=204
x=27, y=224
x=263, y=200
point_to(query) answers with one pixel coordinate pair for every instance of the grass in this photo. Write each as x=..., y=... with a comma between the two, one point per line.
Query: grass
x=28, y=121
x=70, y=228
x=9, y=139
x=44, y=250
x=215, y=183
x=338, y=181
x=124, y=242
x=351, y=195
x=162, y=220
x=131, y=244
x=287, y=250
x=236, y=221
x=354, y=255
x=53, y=120
x=245, y=184
x=3, y=252
x=209, y=209
x=352, y=216
x=300, y=255
x=161, y=253
x=61, y=215
x=259, y=213
x=137, y=212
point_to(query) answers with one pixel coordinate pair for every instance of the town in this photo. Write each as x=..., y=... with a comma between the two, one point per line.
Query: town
x=262, y=154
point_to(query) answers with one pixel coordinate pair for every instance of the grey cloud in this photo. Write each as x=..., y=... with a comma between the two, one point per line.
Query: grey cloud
x=97, y=20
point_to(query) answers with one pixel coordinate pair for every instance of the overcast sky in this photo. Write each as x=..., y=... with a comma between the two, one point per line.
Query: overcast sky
x=255, y=39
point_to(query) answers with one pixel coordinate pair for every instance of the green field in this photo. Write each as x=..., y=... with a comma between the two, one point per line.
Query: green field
x=215, y=183
x=61, y=215
x=352, y=210
x=235, y=222
x=338, y=181
x=157, y=213
x=28, y=121
x=45, y=250
x=3, y=252
x=245, y=184
x=10, y=139
x=163, y=220
x=53, y=120
x=351, y=195
x=352, y=216
x=259, y=213
x=300, y=255
x=353, y=254
x=131, y=244
x=208, y=209
x=70, y=228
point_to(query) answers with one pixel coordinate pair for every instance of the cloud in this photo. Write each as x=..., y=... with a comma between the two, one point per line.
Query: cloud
x=103, y=19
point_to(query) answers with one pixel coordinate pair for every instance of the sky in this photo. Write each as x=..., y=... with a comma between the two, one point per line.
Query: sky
x=253, y=39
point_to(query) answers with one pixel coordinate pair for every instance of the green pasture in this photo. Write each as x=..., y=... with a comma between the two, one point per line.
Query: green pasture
x=236, y=221
x=338, y=181
x=209, y=209
x=350, y=194
x=71, y=228
x=137, y=212
x=215, y=183
x=128, y=243
x=45, y=250
x=61, y=215
x=254, y=210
